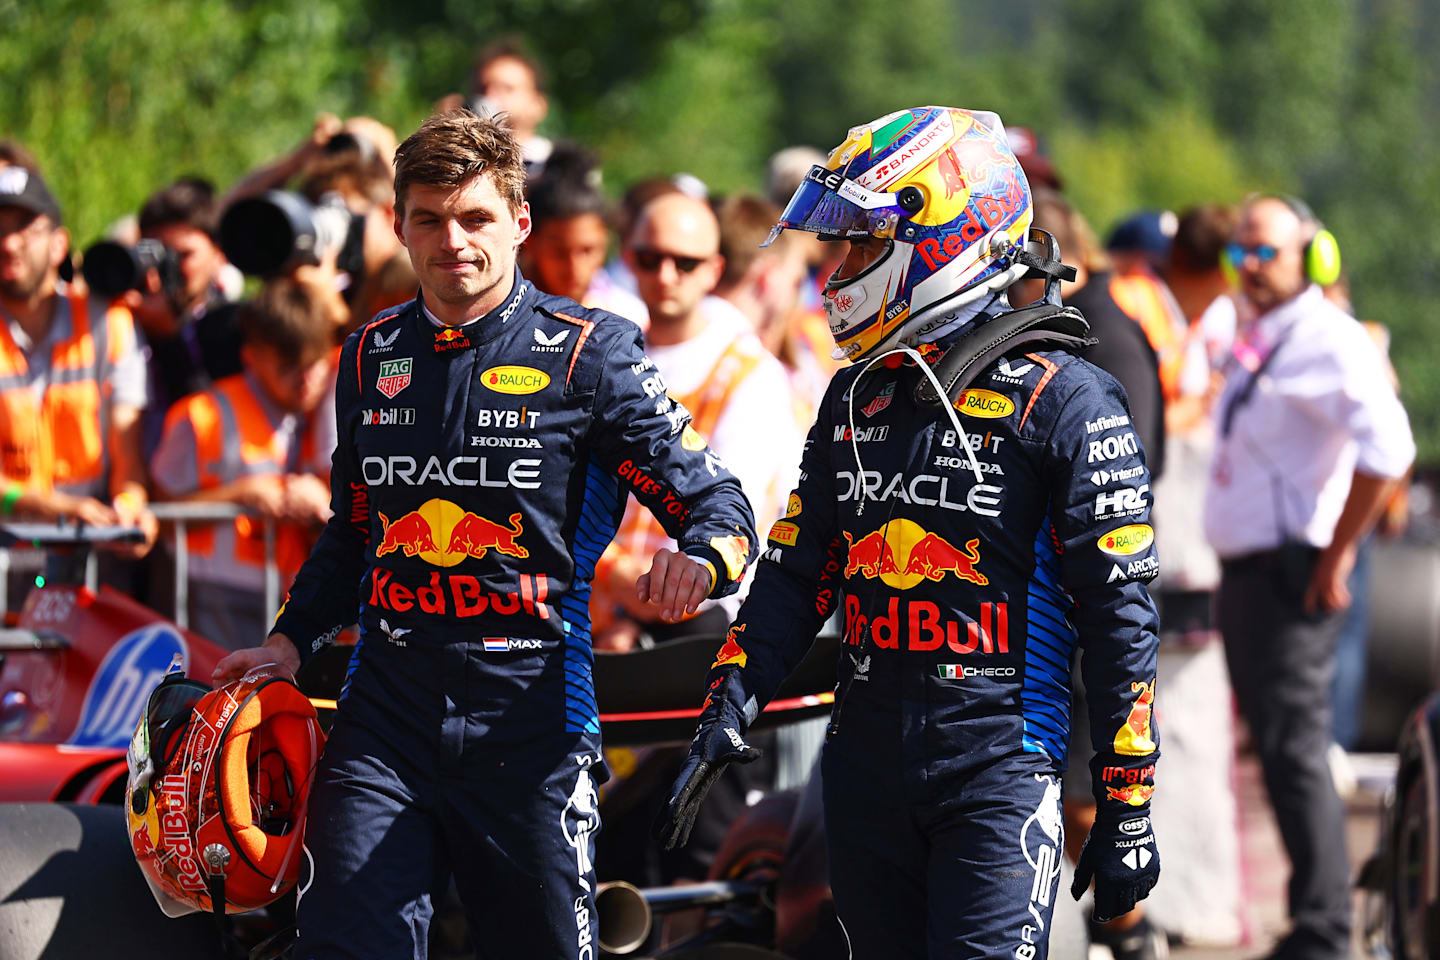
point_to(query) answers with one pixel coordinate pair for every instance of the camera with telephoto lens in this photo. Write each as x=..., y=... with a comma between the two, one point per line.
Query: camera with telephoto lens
x=278, y=230
x=112, y=268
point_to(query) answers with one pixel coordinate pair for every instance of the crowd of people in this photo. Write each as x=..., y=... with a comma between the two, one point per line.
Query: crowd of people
x=1269, y=420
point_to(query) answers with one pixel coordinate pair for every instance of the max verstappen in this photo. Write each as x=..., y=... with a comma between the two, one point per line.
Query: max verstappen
x=974, y=492
x=488, y=436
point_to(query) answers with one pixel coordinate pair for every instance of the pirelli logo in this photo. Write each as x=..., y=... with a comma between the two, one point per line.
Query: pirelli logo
x=388, y=417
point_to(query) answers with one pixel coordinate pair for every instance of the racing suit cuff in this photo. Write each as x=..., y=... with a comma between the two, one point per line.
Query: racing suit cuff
x=709, y=558
x=306, y=634
x=1122, y=784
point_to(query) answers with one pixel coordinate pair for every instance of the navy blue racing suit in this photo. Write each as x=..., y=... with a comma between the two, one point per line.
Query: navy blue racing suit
x=963, y=599
x=480, y=471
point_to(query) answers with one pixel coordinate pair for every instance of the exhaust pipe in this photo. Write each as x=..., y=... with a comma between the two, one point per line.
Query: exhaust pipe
x=627, y=912
x=625, y=917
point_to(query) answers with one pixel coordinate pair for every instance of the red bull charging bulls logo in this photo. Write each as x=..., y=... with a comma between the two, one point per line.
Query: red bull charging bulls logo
x=902, y=554
x=443, y=533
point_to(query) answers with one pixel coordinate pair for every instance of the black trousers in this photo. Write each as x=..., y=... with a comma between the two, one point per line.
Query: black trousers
x=1281, y=663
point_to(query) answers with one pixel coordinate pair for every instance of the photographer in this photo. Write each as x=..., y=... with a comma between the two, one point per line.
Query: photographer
x=186, y=309
x=343, y=209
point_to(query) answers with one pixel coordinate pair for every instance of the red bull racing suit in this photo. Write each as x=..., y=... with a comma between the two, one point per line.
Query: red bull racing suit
x=480, y=472
x=963, y=598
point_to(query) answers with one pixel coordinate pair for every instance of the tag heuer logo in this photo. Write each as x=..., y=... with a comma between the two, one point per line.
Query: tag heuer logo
x=383, y=343
x=549, y=344
x=881, y=400
x=394, y=376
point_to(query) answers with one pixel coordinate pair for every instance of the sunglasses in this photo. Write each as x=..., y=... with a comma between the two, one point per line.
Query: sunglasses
x=650, y=260
x=1237, y=252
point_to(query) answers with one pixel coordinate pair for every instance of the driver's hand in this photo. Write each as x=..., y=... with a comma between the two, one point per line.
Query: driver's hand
x=277, y=648
x=676, y=583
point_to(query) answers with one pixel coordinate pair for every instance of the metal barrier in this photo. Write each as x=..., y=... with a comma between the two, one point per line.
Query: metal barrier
x=180, y=515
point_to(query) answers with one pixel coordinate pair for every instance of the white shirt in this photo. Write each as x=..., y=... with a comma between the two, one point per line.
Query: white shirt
x=1321, y=409
x=759, y=446
x=756, y=437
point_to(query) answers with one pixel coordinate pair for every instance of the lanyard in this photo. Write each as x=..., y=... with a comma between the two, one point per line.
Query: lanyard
x=1243, y=395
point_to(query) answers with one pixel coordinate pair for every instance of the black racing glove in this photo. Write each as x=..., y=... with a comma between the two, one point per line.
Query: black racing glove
x=719, y=742
x=1120, y=854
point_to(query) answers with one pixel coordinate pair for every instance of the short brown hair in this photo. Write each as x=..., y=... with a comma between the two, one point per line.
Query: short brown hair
x=1078, y=243
x=450, y=148
x=1201, y=237
x=294, y=317
x=511, y=47
x=745, y=222
x=189, y=201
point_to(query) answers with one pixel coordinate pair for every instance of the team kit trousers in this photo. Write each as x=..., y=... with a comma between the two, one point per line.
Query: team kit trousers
x=405, y=798
x=960, y=865
x=1281, y=664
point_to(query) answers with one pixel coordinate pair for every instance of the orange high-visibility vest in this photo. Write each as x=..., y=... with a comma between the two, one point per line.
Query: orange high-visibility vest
x=1146, y=299
x=59, y=439
x=640, y=534
x=235, y=438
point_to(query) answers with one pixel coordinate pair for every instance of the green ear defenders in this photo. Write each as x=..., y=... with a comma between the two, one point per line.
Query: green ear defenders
x=1322, y=253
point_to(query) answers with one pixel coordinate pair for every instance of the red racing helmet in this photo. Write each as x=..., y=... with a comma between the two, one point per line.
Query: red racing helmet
x=217, y=790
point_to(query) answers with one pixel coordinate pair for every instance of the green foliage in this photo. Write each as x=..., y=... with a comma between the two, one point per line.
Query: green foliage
x=1143, y=103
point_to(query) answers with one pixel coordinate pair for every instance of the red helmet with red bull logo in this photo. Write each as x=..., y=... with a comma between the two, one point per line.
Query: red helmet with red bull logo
x=218, y=785
x=942, y=186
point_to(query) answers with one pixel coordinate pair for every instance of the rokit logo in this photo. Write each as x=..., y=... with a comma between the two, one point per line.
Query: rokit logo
x=388, y=417
x=1112, y=448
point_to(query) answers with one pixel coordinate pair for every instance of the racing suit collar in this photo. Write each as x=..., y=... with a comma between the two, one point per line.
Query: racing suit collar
x=484, y=328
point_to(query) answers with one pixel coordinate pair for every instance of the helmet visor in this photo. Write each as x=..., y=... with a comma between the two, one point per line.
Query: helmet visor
x=153, y=746
x=830, y=205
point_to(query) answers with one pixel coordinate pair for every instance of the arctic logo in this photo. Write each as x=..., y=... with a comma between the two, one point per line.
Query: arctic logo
x=1144, y=567
x=384, y=344
x=121, y=686
x=549, y=344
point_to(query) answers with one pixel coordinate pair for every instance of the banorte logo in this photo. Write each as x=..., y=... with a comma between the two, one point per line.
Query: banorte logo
x=443, y=533
x=902, y=554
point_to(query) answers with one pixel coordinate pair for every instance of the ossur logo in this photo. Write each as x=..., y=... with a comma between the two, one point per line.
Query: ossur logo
x=1128, y=540
x=986, y=404
x=515, y=380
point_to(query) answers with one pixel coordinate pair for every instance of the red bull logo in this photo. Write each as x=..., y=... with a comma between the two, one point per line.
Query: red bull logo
x=902, y=554
x=460, y=595
x=451, y=338
x=731, y=651
x=1133, y=739
x=443, y=533
x=1136, y=794
x=918, y=623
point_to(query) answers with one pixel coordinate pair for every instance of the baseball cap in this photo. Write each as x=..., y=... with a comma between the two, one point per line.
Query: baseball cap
x=1039, y=168
x=26, y=189
x=1149, y=232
